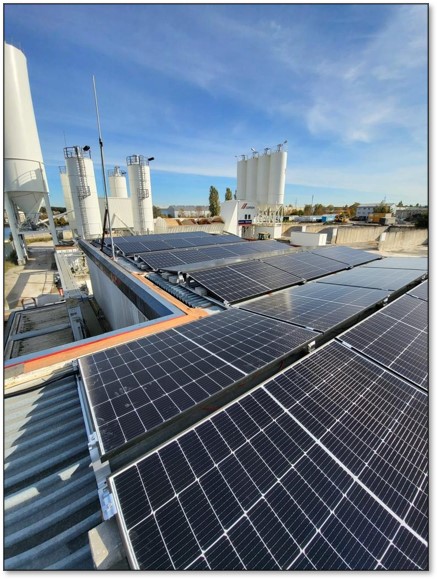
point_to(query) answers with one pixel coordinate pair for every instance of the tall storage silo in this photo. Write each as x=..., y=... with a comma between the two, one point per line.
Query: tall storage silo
x=117, y=183
x=262, y=179
x=68, y=200
x=141, y=193
x=80, y=170
x=278, y=167
x=25, y=181
x=251, y=177
x=241, y=178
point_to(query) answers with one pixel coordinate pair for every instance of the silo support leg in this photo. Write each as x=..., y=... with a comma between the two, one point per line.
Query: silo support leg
x=21, y=258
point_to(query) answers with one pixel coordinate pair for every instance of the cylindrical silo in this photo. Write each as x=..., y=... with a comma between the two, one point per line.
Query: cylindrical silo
x=83, y=189
x=241, y=178
x=117, y=183
x=65, y=182
x=141, y=193
x=251, y=176
x=24, y=177
x=262, y=179
x=278, y=167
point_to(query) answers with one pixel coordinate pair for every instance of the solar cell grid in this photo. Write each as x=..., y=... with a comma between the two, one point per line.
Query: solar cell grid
x=378, y=278
x=347, y=255
x=310, y=306
x=396, y=337
x=420, y=291
x=420, y=263
x=305, y=264
x=273, y=493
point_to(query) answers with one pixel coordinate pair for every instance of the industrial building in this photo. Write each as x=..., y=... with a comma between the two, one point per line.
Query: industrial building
x=250, y=405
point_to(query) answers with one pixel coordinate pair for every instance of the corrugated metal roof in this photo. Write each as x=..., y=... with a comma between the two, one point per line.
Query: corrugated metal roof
x=50, y=491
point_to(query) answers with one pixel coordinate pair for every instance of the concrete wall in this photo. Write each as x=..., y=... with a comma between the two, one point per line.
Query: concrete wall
x=356, y=234
x=403, y=239
x=307, y=239
x=118, y=309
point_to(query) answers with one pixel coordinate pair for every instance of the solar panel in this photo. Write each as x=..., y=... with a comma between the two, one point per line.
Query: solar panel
x=346, y=255
x=377, y=278
x=245, y=340
x=160, y=260
x=265, y=246
x=324, y=467
x=420, y=263
x=136, y=387
x=420, y=291
x=240, y=281
x=396, y=337
x=311, y=307
x=305, y=264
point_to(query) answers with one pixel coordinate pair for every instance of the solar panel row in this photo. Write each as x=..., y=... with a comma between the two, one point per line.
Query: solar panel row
x=240, y=281
x=323, y=467
x=138, y=386
x=316, y=306
x=397, y=338
x=150, y=243
x=175, y=259
x=377, y=278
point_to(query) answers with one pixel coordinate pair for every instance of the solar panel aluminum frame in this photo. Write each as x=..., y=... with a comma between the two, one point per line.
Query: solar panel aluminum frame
x=186, y=418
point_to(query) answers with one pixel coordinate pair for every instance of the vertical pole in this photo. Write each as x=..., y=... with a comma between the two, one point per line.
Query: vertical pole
x=21, y=258
x=104, y=174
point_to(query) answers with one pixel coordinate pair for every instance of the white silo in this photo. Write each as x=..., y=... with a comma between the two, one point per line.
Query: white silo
x=83, y=189
x=262, y=179
x=251, y=176
x=117, y=183
x=278, y=167
x=65, y=182
x=141, y=193
x=25, y=181
x=241, y=178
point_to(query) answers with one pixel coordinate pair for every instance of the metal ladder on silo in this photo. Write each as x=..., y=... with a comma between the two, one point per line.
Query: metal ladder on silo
x=142, y=193
x=83, y=191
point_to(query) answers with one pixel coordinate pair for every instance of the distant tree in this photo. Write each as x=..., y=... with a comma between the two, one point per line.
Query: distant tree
x=156, y=212
x=199, y=211
x=382, y=208
x=400, y=204
x=421, y=220
x=353, y=209
x=214, y=202
x=417, y=205
x=330, y=209
x=300, y=212
x=228, y=194
x=308, y=210
x=319, y=209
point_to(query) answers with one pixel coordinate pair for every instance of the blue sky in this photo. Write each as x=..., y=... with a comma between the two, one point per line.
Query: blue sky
x=195, y=85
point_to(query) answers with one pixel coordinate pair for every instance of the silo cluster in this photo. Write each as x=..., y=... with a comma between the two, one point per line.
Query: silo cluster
x=117, y=183
x=261, y=178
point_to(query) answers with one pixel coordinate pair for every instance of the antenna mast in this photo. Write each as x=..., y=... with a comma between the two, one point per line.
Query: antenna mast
x=104, y=177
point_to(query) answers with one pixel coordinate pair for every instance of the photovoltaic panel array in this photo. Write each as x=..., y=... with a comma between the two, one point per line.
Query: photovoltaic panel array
x=324, y=467
x=420, y=263
x=129, y=246
x=305, y=264
x=241, y=281
x=377, y=278
x=316, y=306
x=347, y=255
x=176, y=259
x=136, y=387
x=420, y=291
x=396, y=337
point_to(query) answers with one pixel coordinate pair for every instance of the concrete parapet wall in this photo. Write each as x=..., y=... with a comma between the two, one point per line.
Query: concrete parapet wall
x=356, y=234
x=403, y=238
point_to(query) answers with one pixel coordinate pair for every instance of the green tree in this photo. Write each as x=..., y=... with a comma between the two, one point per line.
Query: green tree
x=214, y=201
x=228, y=194
x=421, y=220
x=400, y=204
x=319, y=209
x=353, y=209
x=382, y=208
x=156, y=212
x=308, y=210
